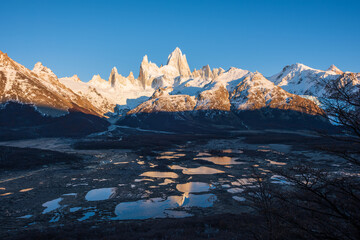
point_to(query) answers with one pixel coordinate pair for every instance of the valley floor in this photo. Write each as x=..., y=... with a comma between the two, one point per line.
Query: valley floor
x=185, y=186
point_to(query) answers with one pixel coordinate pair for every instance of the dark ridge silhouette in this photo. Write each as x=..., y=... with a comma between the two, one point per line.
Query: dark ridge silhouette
x=19, y=121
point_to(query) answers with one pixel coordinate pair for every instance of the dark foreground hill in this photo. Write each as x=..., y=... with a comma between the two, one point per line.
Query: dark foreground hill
x=19, y=121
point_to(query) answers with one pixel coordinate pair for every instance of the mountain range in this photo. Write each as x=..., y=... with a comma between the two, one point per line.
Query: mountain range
x=172, y=93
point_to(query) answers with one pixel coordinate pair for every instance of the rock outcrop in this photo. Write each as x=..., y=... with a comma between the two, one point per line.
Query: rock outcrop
x=214, y=99
x=178, y=60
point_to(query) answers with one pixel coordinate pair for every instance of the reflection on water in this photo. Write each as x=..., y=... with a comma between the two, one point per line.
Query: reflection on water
x=170, y=155
x=192, y=180
x=204, y=200
x=52, y=205
x=264, y=171
x=202, y=154
x=220, y=160
x=239, y=199
x=117, y=163
x=244, y=181
x=75, y=209
x=166, y=182
x=100, y=194
x=26, y=216
x=70, y=194
x=152, y=165
x=144, y=179
x=162, y=208
x=232, y=151
x=86, y=216
x=159, y=174
x=55, y=218
x=275, y=163
x=6, y=194
x=198, y=170
x=279, y=180
x=193, y=187
x=26, y=189
x=235, y=190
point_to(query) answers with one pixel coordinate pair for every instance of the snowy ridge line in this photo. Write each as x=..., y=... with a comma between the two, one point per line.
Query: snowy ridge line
x=172, y=88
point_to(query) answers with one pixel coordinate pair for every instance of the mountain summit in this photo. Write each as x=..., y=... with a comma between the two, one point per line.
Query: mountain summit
x=170, y=88
x=334, y=69
x=39, y=87
x=178, y=61
x=151, y=75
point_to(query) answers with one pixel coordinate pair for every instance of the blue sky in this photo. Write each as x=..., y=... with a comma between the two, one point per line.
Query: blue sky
x=90, y=37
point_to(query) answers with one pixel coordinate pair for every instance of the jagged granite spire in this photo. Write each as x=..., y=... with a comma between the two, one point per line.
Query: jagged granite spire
x=178, y=60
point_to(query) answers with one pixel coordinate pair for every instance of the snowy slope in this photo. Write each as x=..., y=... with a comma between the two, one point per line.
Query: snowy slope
x=303, y=80
x=39, y=87
x=106, y=96
x=128, y=92
x=169, y=88
x=234, y=89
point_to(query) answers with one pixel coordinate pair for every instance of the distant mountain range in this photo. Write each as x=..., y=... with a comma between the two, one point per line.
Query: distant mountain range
x=171, y=90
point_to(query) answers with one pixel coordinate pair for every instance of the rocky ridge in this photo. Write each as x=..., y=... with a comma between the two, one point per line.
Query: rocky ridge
x=40, y=87
x=170, y=88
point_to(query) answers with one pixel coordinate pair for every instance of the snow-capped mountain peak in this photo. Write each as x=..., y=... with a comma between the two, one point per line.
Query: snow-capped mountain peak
x=175, y=54
x=114, y=77
x=113, y=71
x=172, y=87
x=43, y=71
x=74, y=78
x=131, y=76
x=98, y=82
x=3, y=56
x=303, y=80
x=178, y=60
x=5, y=60
x=334, y=69
x=145, y=59
x=39, y=87
x=298, y=67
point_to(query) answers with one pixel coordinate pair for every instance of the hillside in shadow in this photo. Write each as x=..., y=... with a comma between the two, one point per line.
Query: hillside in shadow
x=212, y=121
x=19, y=121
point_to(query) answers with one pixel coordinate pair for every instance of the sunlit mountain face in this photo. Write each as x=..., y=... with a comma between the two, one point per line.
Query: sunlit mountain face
x=202, y=153
x=171, y=97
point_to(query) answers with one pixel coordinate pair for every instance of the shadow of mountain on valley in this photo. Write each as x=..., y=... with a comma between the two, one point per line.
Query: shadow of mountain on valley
x=212, y=121
x=19, y=121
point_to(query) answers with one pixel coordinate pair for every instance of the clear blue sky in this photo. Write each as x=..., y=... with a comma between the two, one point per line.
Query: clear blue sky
x=90, y=37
